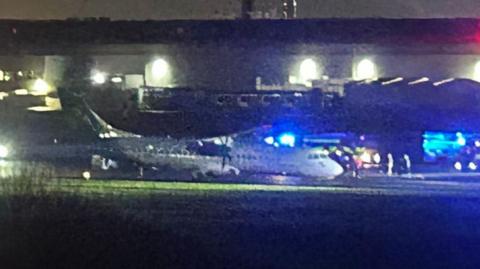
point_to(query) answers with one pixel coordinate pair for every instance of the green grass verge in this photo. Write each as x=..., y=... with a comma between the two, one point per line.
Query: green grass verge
x=181, y=186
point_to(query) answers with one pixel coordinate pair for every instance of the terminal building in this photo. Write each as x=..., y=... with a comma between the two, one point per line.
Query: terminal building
x=410, y=60
x=240, y=55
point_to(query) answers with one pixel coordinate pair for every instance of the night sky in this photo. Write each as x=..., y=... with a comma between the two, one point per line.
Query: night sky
x=209, y=9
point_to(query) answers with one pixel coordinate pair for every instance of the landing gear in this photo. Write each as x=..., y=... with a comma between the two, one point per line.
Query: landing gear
x=198, y=176
x=233, y=173
x=210, y=175
x=351, y=169
x=140, y=172
x=350, y=174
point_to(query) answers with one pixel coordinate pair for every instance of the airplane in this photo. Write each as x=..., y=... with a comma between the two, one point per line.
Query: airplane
x=207, y=159
x=201, y=158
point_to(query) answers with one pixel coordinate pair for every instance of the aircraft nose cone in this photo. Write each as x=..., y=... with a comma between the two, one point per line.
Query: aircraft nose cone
x=337, y=169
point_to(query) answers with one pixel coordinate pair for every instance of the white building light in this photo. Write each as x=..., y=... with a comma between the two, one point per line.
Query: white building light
x=418, y=81
x=476, y=72
x=292, y=79
x=3, y=95
x=159, y=68
x=392, y=81
x=117, y=80
x=2, y=75
x=308, y=70
x=41, y=86
x=158, y=73
x=3, y=152
x=21, y=92
x=441, y=82
x=99, y=78
x=365, y=69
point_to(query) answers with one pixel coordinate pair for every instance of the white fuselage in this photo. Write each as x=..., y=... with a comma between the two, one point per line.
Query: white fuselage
x=285, y=160
x=263, y=159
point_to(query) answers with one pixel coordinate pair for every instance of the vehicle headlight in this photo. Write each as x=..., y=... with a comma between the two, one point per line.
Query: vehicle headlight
x=3, y=151
x=86, y=175
x=366, y=157
x=472, y=166
x=458, y=166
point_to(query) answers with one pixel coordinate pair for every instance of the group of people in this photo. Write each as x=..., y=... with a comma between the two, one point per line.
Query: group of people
x=401, y=166
x=348, y=158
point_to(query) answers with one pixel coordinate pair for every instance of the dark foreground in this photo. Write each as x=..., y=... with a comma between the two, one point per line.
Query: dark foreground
x=168, y=225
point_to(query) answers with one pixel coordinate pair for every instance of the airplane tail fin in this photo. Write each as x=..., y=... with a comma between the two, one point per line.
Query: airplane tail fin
x=74, y=102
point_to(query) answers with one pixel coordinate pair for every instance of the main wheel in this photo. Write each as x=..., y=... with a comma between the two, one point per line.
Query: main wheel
x=233, y=173
x=198, y=176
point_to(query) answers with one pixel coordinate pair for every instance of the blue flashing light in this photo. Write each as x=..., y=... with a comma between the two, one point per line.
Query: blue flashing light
x=445, y=141
x=287, y=139
x=446, y=144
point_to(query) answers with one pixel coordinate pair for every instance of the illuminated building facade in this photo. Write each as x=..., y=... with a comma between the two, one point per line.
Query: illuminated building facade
x=233, y=55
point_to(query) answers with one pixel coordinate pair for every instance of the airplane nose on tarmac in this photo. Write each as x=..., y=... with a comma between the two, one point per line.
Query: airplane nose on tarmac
x=337, y=169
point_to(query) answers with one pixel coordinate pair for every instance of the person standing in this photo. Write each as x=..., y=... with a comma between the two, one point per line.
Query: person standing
x=390, y=164
x=408, y=163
